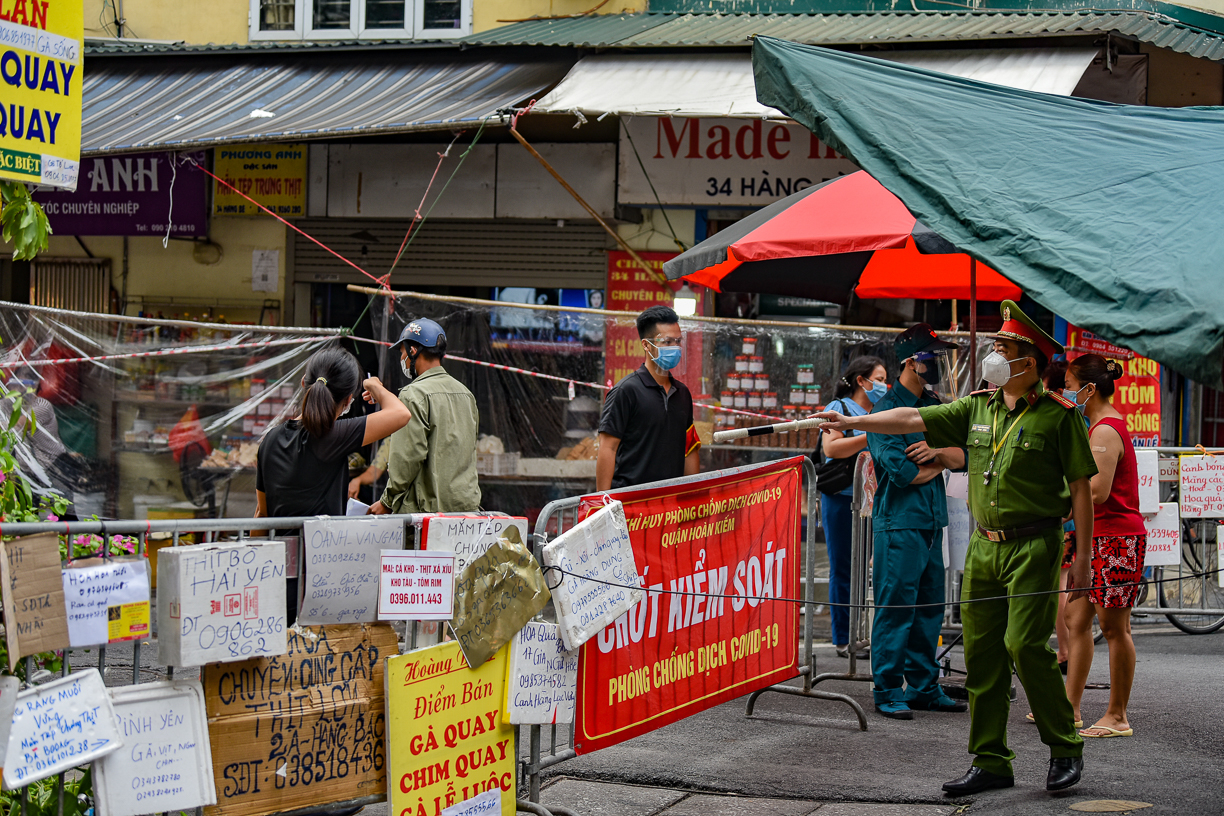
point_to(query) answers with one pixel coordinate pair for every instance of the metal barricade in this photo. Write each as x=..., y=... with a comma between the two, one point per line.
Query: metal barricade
x=861, y=597
x=562, y=514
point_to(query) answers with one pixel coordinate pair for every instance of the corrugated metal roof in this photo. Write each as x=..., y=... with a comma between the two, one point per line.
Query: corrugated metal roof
x=177, y=103
x=594, y=31
x=672, y=30
x=110, y=46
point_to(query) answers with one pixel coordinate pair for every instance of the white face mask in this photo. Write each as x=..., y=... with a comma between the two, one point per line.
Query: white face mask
x=996, y=369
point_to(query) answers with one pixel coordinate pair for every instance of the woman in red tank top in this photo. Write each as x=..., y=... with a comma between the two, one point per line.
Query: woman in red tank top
x=1119, y=541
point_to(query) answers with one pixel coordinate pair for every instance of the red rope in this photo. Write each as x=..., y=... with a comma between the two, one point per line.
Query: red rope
x=385, y=284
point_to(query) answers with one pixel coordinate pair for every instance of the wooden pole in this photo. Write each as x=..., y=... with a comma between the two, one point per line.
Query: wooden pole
x=972, y=322
x=659, y=277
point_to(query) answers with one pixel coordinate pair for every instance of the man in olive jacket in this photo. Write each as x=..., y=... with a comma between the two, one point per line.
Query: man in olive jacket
x=432, y=465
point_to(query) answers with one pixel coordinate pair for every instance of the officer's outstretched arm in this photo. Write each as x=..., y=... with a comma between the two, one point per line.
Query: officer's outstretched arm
x=893, y=421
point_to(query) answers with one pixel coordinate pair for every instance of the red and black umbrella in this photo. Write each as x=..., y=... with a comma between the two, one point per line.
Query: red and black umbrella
x=828, y=239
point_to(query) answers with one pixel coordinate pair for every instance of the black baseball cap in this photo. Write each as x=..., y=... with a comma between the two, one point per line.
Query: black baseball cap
x=918, y=338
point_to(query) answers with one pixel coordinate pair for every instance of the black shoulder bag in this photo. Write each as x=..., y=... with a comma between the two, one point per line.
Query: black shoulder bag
x=835, y=475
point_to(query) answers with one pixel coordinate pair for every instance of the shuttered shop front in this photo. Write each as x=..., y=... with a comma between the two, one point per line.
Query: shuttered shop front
x=534, y=253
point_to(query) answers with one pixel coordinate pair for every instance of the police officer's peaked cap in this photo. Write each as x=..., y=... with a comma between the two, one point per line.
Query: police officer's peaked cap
x=919, y=337
x=1019, y=326
x=422, y=331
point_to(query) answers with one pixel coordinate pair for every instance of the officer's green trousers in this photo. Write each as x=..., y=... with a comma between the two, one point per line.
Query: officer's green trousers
x=1016, y=631
x=907, y=569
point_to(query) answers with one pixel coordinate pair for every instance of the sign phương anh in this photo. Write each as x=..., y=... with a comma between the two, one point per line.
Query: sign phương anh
x=715, y=557
x=272, y=174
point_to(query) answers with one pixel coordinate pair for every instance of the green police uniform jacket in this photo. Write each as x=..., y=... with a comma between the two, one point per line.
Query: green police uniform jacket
x=1031, y=453
x=432, y=464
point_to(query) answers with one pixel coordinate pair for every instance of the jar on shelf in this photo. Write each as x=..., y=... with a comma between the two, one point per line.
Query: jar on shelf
x=807, y=374
x=741, y=363
x=733, y=381
x=754, y=401
x=740, y=400
x=797, y=395
x=726, y=398
x=812, y=396
x=756, y=365
x=760, y=382
x=750, y=346
x=769, y=401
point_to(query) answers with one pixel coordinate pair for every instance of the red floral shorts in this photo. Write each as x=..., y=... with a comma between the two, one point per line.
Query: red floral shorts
x=1116, y=560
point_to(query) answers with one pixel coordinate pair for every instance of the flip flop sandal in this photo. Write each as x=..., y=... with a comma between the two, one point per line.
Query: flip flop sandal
x=1112, y=732
x=1076, y=724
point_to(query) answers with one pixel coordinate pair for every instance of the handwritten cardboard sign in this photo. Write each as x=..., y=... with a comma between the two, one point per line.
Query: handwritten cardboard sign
x=468, y=537
x=1202, y=487
x=1147, y=463
x=1163, y=537
x=33, y=596
x=416, y=585
x=496, y=594
x=59, y=725
x=446, y=739
x=488, y=803
x=597, y=548
x=219, y=602
x=107, y=601
x=542, y=677
x=341, y=564
x=304, y=729
x=166, y=761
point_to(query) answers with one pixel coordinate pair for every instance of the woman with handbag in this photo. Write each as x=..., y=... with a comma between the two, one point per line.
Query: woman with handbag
x=863, y=383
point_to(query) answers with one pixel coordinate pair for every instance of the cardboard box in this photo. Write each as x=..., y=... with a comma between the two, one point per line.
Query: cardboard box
x=305, y=729
x=220, y=602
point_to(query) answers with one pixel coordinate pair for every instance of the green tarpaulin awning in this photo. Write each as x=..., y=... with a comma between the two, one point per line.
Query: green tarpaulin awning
x=1109, y=215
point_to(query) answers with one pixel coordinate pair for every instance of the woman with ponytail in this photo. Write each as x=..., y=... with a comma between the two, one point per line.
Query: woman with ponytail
x=302, y=469
x=1119, y=541
x=303, y=463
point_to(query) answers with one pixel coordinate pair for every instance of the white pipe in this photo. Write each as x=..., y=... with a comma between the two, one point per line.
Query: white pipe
x=764, y=430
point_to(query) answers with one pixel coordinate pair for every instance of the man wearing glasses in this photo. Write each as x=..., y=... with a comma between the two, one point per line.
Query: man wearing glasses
x=646, y=431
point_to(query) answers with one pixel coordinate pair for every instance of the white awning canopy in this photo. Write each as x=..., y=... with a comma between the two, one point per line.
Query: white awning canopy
x=722, y=84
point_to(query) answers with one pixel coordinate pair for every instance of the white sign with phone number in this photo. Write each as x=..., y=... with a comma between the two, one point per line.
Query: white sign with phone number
x=416, y=585
x=1163, y=537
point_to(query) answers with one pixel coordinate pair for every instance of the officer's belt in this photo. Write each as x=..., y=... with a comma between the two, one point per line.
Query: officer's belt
x=1020, y=532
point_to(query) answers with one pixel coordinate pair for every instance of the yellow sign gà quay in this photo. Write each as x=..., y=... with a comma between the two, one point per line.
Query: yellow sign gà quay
x=272, y=174
x=40, y=91
x=446, y=739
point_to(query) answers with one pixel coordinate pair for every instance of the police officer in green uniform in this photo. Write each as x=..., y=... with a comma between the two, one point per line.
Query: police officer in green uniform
x=1029, y=465
x=907, y=520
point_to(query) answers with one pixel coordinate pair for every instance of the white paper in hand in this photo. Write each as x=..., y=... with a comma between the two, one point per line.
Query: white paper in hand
x=597, y=549
x=356, y=508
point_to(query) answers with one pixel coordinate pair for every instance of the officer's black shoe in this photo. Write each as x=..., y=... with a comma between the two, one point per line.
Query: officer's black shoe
x=976, y=781
x=1064, y=772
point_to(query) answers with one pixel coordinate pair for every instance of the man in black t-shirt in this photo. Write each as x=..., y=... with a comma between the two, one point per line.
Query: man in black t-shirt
x=646, y=431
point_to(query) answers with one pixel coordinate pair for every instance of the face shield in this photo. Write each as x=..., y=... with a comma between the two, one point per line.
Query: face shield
x=935, y=368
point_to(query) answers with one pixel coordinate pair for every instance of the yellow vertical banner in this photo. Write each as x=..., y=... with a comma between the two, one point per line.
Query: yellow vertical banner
x=446, y=739
x=272, y=174
x=40, y=110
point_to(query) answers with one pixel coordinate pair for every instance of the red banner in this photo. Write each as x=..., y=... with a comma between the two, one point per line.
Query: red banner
x=674, y=655
x=631, y=289
x=1136, y=394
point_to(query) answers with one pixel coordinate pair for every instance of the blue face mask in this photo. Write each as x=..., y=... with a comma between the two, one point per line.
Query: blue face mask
x=876, y=392
x=669, y=357
x=1073, y=396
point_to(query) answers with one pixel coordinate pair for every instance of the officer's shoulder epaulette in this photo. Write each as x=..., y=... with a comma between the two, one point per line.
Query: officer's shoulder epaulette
x=1060, y=399
x=985, y=392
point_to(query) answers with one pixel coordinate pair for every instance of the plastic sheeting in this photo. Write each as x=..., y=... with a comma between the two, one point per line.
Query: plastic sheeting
x=137, y=417
x=538, y=436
